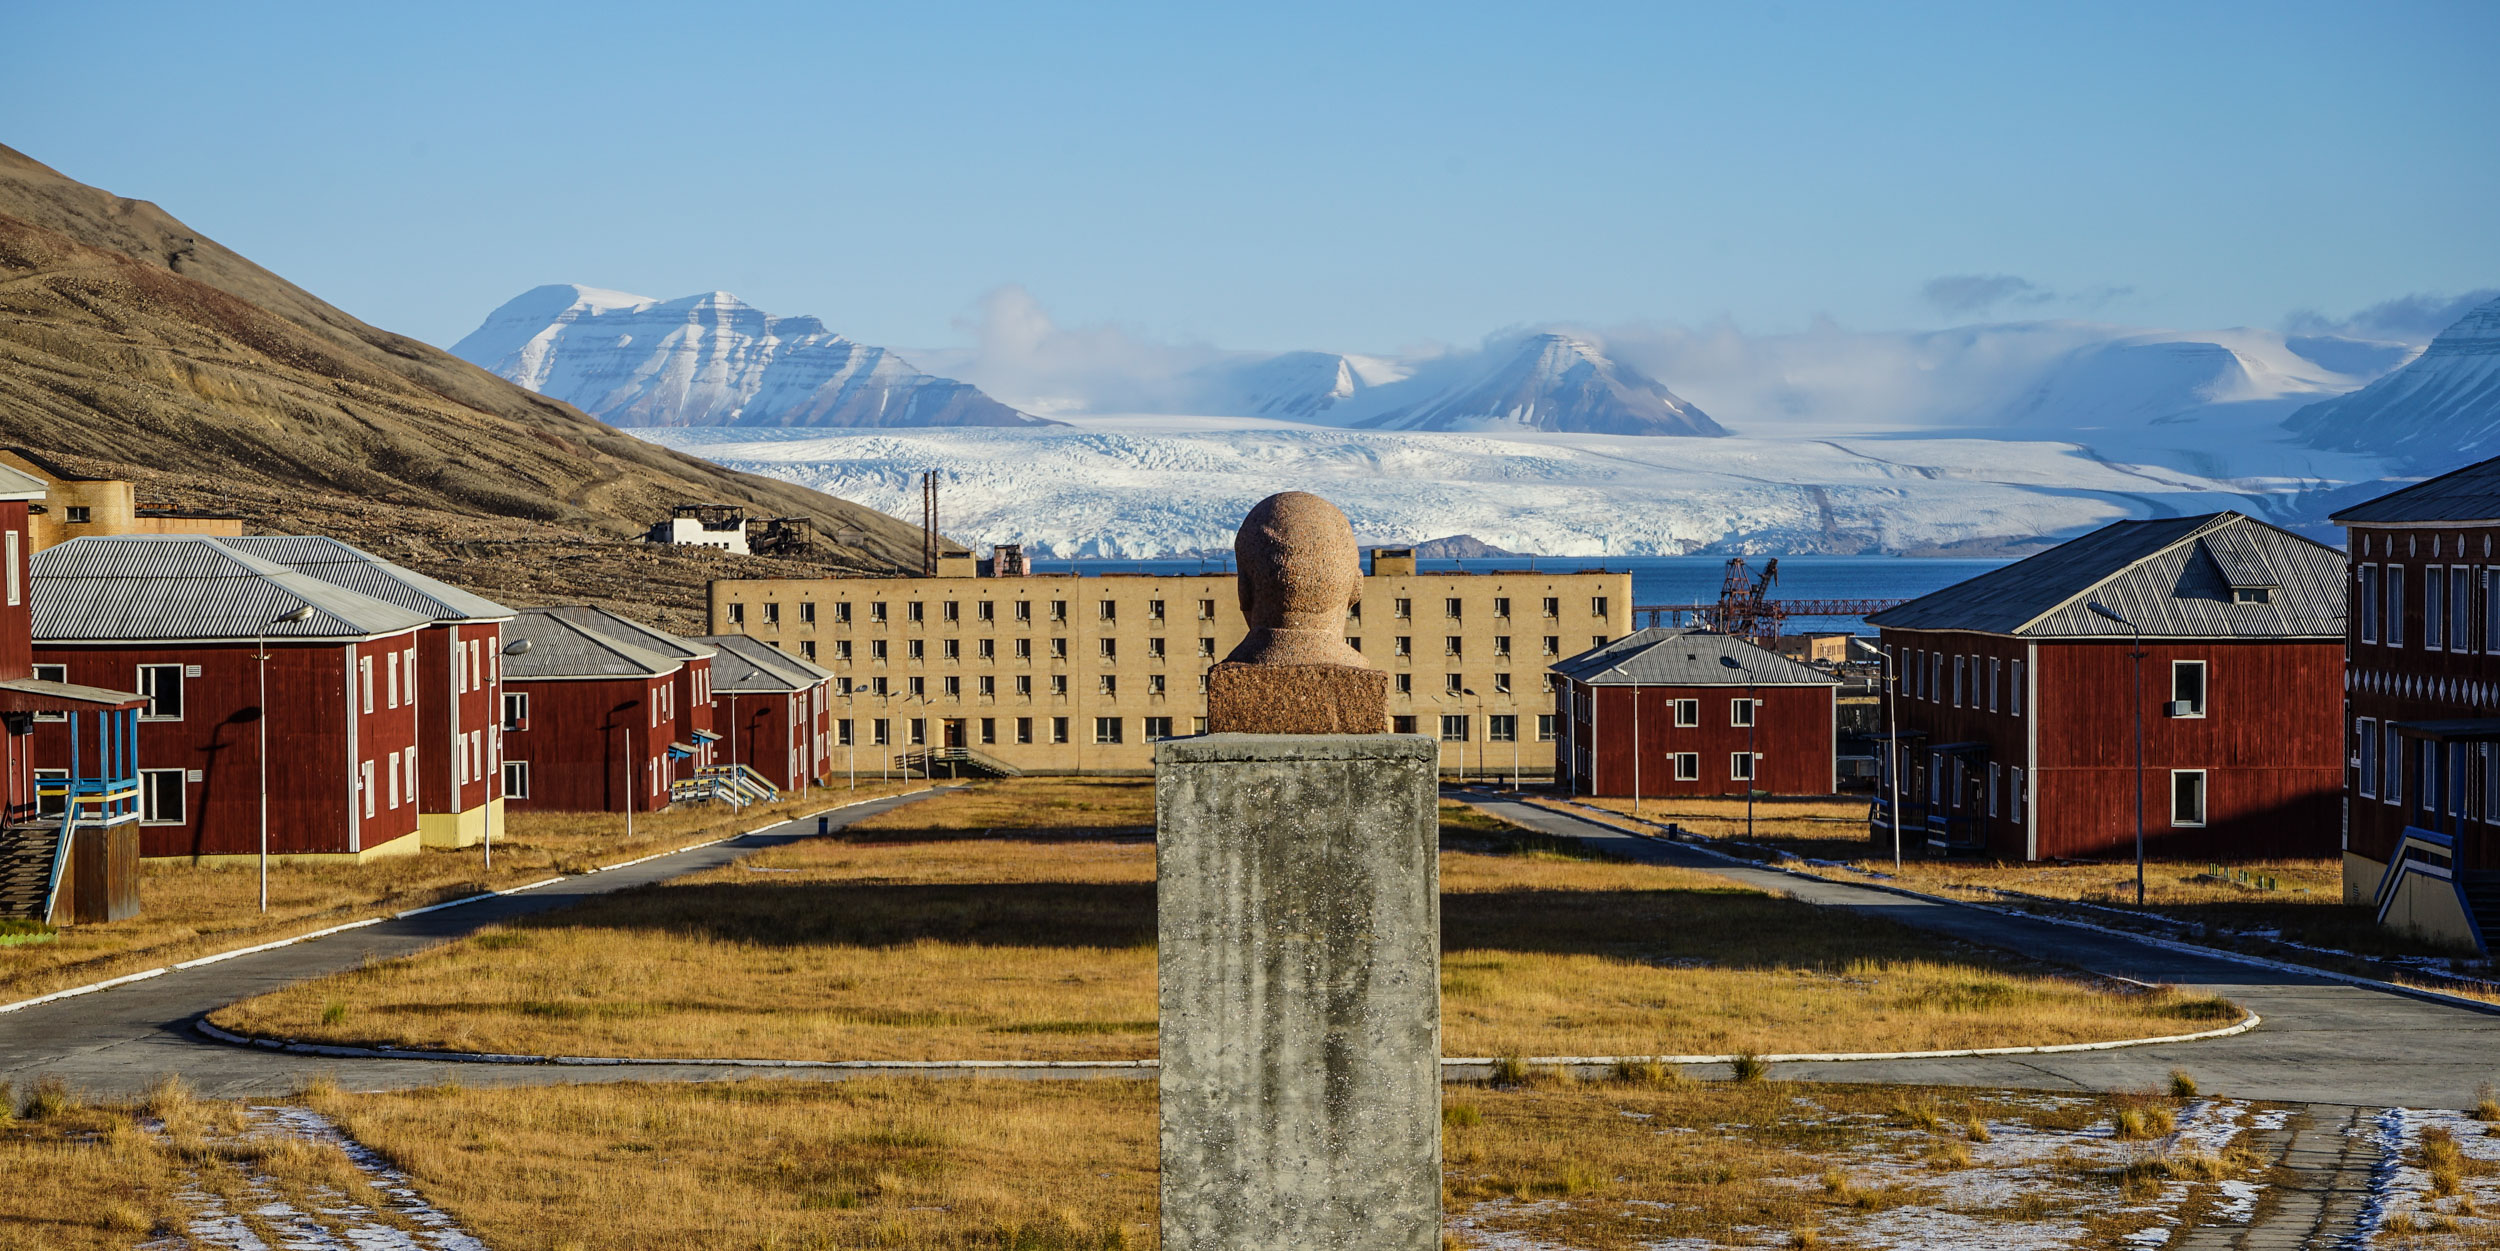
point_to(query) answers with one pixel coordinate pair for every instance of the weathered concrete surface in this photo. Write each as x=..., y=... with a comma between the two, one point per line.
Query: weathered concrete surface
x=1298, y=886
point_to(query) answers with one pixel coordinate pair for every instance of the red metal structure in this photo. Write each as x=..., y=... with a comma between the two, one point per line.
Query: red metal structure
x=2017, y=702
x=2422, y=697
x=1690, y=712
x=1746, y=610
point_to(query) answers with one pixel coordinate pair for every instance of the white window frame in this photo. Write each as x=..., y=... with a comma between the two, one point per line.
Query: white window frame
x=50, y=673
x=1743, y=766
x=2204, y=799
x=391, y=772
x=2391, y=766
x=2434, y=608
x=364, y=683
x=149, y=812
x=2365, y=756
x=2014, y=795
x=2014, y=688
x=408, y=766
x=1688, y=766
x=516, y=700
x=1460, y=720
x=148, y=686
x=1688, y=712
x=364, y=783
x=2392, y=622
x=2461, y=618
x=2204, y=686
x=1749, y=707
x=519, y=769
x=2368, y=596
x=16, y=558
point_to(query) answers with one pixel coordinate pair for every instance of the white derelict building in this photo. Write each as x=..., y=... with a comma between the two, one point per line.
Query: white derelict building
x=704, y=525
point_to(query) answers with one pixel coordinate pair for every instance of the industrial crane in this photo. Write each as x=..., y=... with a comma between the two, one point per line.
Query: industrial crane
x=1745, y=607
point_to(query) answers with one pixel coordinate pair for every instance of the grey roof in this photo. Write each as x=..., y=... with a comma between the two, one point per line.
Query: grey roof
x=798, y=669
x=130, y=588
x=2468, y=494
x=1659, y=656
x=341, y=564
x=17, y=484
x=630, y=632
x=560, y=647
x=742, y=668
x=2172, y=577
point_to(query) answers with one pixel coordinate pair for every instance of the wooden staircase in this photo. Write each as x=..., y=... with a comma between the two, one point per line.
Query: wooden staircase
x=29, y=856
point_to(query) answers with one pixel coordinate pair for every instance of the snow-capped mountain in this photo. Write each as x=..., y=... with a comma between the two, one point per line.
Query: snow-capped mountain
x=711, y=360
x=1551, y=381
x=1296, y=385
x=2439, y=411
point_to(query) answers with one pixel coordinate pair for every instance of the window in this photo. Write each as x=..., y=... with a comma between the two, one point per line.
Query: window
x=2491, y=610
x=1401, y=725
x=985, y=649
x=916, y=686
x=2014, y=690
x=2434, y=611
x=1501, y=728
x=1110, y=649
x=51, y=673
x=2392, y=766
x=1354, y=611
x=1995, y=774
x=2187, y=796
x=77, y=514
x=2187, y=687
x=953, y=686
x=807, y=649
x=915, y=612
x=1995, y=676
x=14, y=555
x=876, y=649
x=1688, y=766
x=880, y=732
x=1024, y=649
x=364, y=785
x=516, y=710
x=1404, y=683
x=1450, y=645
x=162, y=684
x=1402, y=645
x=2369, y=603
x=842, y=612
x=951, y=649
x=772, y=614
x=1453, y=683
x=985, y=611
x=2252, y=595
x=1545, y=727
x=1740, y=712
x=2395, y=618
x=1107, y=684
x=1454, y=729
x=1501, y=646
x=390, y=675
x=1597, y=606
x=1206, y=648
x=2365, y=757
x=1206, y=610
x=1553, y=645
x=1501, y=684
x=919, y=731
x=1154, y=610
x=916, y=649
x=737, y=614
x=988, y=686
x=408, y=770
x=1024, y=610
x=1198, y=725
x=2461, y=609
x=1688, y=712
x=1108, y=610
x=161, y=797
x=516, y=774
x=1059, y=684
x=1024, y=685
x=1154, y=647
x=876, y=687
x=1553, y=607
x=1597, y=640
x=1058, y=649
x=1501, y=606
x=2014, y=797
x=842, y=733
x=1402, y=608
x=807, y=612
x=876, y=611
x=364, y=682
x=1154, y=684
x=1740, y=766
x=1059, y=610
x=1024, y=729
x=951, y=611
x=1058, y=729
x=1158, y=727
x=1451, y=608
x=1957, y=681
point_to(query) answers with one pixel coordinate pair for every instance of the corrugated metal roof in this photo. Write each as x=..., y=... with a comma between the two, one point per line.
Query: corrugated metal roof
x=630, y=632
x=741, y=668
x=1659, y=656
x=17, y=484
x=2468, y=494
x=561, y=648
x=341, y=564
x=123, y=588
x=757, y=651
x=2167, y=576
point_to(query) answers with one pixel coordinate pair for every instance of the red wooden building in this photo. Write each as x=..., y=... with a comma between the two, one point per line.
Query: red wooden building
x=176, y=618
x=687, y=708
x=2422, y=803
x=588, y=718
x=458, y=689
x=1692, y=712
x=2017, y=702
x=69, y=848
x=774, y=710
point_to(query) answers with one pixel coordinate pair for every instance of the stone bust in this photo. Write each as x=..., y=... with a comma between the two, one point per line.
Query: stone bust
x=1299, y=575
x=1293, y=672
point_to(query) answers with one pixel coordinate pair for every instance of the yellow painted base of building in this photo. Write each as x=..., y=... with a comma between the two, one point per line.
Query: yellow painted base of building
x=2425, y=907
x=462, y=829
x=404, y=845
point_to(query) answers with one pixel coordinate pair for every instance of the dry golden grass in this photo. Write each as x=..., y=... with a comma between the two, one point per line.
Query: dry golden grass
x=73, y=1176
x=1017, y=922
x=2308, y=908
x=193, y=910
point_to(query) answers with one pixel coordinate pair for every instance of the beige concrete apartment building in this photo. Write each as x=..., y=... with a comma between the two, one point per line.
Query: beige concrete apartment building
x=1068, y=674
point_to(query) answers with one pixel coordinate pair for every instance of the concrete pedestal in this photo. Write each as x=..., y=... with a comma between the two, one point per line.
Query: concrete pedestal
x=1298, y=891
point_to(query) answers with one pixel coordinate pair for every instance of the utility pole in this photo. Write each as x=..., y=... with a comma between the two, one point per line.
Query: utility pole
x=2137, y=655
x=261, y=650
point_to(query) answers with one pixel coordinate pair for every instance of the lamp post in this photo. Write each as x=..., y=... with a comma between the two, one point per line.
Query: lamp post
x=2137, y=655
x=260, y=650
x=1481, y=724
x=1753, y=723
x=1892, y=751
x=517, y=647
x=850, y=735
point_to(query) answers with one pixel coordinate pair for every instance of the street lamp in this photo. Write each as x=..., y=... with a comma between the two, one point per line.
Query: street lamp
x=516, y=647
x=2137, y=655
x=1753, y=723
x=260, y=651
x=1892, y=751
x=1481, y=724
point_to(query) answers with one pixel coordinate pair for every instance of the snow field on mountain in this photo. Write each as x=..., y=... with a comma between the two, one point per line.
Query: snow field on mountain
x=1142, y=487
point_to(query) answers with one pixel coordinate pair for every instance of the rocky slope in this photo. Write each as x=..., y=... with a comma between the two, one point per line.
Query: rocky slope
x=711, y=360
x=2438, y=412
x=132, y=347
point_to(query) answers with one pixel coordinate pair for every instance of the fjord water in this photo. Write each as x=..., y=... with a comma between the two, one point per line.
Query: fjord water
x=1670, y=579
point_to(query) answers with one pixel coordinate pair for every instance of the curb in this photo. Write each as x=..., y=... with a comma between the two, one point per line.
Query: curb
x=144, y=974
x=220, y=1034
x=2165, y=944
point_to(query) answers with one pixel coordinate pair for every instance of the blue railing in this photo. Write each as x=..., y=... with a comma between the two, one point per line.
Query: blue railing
x=109, y=795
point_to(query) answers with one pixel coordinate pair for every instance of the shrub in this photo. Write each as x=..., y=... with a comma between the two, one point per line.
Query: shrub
x=2182, y=1086
x=2486, y=1105
x=1748, y=1067
x=1976, y=1127
x=1648, y=1071
x=1509, y=1071
x=334, y=1012
x=52, y=1098
x=1461, y=1116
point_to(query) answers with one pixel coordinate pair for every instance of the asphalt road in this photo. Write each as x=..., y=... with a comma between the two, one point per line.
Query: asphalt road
x=2321, y=1042
x=121, y=1040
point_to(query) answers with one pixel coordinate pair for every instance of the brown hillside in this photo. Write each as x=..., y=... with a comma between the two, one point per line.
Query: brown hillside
x=131, y=347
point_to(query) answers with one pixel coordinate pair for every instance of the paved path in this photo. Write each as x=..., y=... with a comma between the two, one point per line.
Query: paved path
x=121, y=1040
x=2322, y=1041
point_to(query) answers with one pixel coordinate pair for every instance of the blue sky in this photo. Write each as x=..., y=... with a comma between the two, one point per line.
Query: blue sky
x=1363, y=178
